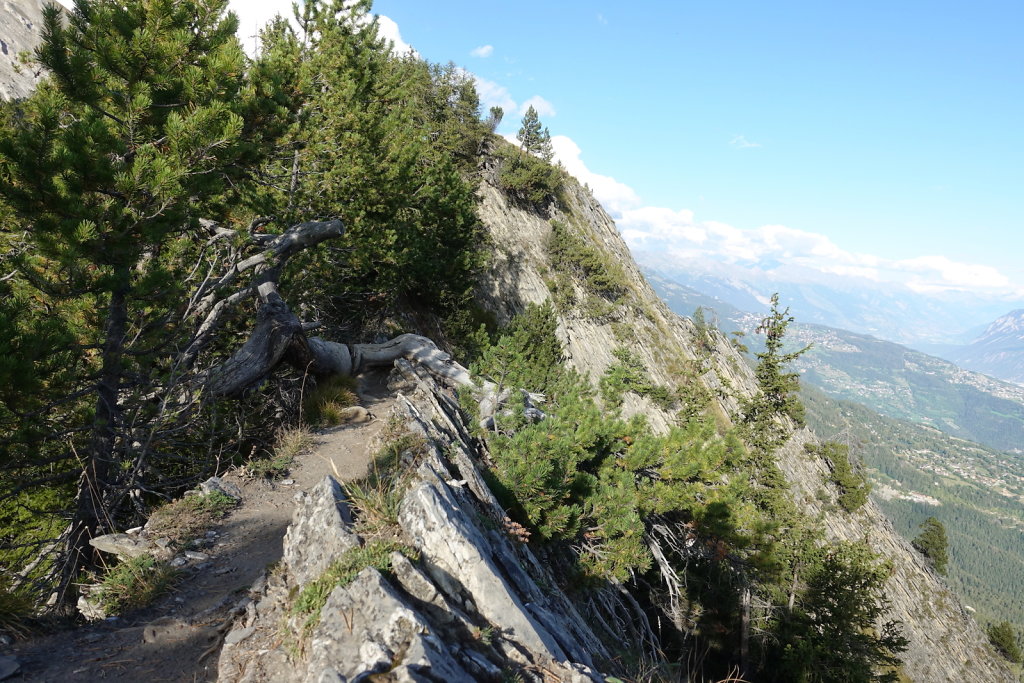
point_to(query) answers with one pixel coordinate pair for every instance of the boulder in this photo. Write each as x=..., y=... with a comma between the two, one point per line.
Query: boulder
x=319, y=532
x=123, y=545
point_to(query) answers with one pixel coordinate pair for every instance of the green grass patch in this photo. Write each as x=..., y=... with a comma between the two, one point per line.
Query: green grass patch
x=343, y=571
x=324, y=403
x=135, y=583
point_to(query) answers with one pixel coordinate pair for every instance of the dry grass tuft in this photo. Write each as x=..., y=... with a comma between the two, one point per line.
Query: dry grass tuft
x=16, y=613
x=187, y=517
x=135, y=583
x=291, y=441
x=324, y=404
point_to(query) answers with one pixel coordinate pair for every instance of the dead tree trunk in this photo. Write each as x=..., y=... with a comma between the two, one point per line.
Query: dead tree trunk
x=279, y=337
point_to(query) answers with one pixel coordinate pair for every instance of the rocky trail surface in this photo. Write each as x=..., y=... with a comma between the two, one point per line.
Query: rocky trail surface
x=179, y=637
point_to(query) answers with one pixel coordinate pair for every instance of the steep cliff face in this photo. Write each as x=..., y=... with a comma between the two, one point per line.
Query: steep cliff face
x=946, y=644
x=21, y=24
x=522, y=272
x=477, y=604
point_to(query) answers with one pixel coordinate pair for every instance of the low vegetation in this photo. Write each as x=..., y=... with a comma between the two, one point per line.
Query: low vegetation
x=182, y=520
x=570, y=253
x=290, y=443
x=324, y=405
x=16, y=612
x=313, y=596
x=627, y=373
x=933, y=544
x=627, y=505
x=1006, y=641
x=853, y=486
x=134, y=583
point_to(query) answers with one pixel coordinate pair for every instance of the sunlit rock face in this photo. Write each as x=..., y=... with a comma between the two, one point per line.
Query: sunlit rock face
x=21, y=26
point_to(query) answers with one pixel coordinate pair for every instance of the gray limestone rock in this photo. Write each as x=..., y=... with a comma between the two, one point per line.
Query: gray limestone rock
x=319, y=532
x=458, y=558
x=367, y=627
x=216, y=484
x=123, y=545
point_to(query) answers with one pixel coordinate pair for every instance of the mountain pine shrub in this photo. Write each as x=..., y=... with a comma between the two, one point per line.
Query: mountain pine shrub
x=1004, y=638
x=570, y=253
x=933, y=544
x=628, y=373
x=853, y=486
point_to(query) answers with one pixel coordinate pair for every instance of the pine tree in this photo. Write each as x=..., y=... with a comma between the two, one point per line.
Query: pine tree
x=835, y=633
x=1004, y=638
x=534, y=138
x=932, y=543
x=383, y=143
x=778, y=386
x=107, y=171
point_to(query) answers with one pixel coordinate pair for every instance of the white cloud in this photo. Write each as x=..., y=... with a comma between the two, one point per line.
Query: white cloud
x=615, y=196
x=601, y=19
x=676, y=237
x=482, y=51
x=741, y=142
x=939, y=273
x=542, y=106
x=494, y=95
x=388, y=30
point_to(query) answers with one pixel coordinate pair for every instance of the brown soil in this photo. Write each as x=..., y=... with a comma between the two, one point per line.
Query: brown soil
x=179, y=638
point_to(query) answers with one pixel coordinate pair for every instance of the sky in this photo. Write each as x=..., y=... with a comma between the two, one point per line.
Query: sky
x=881, y=140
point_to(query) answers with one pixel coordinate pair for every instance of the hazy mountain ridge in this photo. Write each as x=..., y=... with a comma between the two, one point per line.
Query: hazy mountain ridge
x=891, y=379
x=998, y=351
x=885, y=310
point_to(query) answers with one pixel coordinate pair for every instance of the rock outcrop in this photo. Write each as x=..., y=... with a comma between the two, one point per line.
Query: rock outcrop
x=472, y=608
x=21, y=24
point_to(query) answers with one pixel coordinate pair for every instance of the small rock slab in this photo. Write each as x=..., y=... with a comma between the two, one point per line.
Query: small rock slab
x=122, y=545
x=367, y=628
x=319, y=532
x=216, y=484
x=238, y=635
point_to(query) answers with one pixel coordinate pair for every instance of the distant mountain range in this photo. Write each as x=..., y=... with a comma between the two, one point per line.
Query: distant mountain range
x=889, y=378
x=999, y=351
x=932, y=322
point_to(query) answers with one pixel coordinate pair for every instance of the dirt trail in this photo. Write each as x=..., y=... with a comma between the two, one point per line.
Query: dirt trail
x=178, y=638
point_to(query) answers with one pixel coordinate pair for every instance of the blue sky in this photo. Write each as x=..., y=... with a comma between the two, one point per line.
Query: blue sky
x=876, y=139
